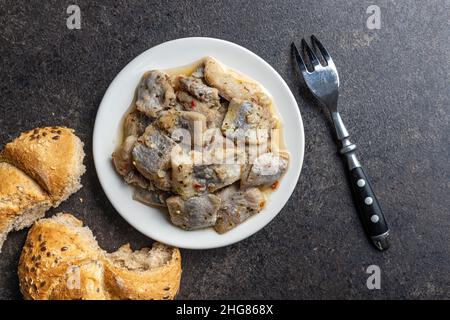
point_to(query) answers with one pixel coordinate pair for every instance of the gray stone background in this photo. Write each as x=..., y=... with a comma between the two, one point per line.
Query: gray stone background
x=394, y=99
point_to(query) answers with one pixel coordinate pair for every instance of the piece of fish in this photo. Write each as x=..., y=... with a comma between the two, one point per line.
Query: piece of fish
x=199, y=90
x=253, y=151
x=151, y=197
x=233, y=85
x=123, y=162
x=197, y=172
x=246, y=120
x=214, y=112
x=193, y=213
x=135, y=124
x=237, y=206
x=151, y=157
x=266, y=170
x=182, y=174
x=122, y=158
x=199, y=72
x=182, y=125
x=136, y=179
x=155, y=93
x=213, y=177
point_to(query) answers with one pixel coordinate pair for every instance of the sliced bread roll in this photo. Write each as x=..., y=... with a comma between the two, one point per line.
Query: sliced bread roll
x=53, y=156
x=22, y=200
x=62, y=260
x=144, y=274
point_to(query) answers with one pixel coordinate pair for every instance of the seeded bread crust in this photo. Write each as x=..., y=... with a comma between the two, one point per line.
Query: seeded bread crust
x=52, y=156
x=62, y=260
x=22, y=200
x=38, y=170
x=160, y=283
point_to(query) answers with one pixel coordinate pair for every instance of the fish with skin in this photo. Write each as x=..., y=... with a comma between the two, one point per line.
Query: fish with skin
x=155, y=93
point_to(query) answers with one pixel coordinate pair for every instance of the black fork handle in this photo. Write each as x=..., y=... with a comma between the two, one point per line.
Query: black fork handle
x=369, y=209
x=366, y=202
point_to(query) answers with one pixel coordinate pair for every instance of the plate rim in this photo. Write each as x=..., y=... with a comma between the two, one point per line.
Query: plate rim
x=97, y=159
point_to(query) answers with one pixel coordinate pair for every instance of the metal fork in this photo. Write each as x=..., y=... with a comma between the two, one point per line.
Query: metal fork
x=323, y=81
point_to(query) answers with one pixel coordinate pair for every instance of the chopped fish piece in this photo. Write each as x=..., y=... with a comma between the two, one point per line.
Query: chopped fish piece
x=182, y=179
x=155, y=93
x=232, y=85
x=122, y=157
x=194, y=213
x=181, y=125
x=198, y=172
x=136, y=179
x=216, y=176
x=151, y=157
x=253, y=151
x=214, y=112
x=151, y=197
x=135, y=124
x=266, y=170
x=198, y=73
x=199, y=90
x=249, y=121
x=237, y=206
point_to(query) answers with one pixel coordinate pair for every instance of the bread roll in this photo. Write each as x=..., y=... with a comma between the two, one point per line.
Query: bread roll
x=62, y=260
x=52, y=156
x=39, y=169
x=22, y=200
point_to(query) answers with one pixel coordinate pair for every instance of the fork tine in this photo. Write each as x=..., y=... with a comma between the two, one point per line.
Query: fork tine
x=298, y=57
x=318, y=45
x=312, y=57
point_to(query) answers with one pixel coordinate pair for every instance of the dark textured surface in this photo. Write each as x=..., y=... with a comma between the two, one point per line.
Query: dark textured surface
x=395, y=100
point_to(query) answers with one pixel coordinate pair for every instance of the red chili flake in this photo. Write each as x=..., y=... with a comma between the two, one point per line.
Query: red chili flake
x=193, y=103
x=275, y=185
x=198, y=186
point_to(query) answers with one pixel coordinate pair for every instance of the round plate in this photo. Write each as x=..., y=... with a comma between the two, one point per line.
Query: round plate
x=154, y=222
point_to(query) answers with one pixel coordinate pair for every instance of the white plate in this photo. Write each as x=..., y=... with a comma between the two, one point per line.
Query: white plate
x=153, y=222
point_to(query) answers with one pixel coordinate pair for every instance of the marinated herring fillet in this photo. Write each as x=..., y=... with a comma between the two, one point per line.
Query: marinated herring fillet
x=266, y=170
x=199, y=90
x=155, y=93
x=246, y=120
x=181, y=125
x=151, y=157
x=122, y=158
x=214, y=112
x=210, y=173
x=232, y=85
x=237, y=206
x=135, y=124
x=194, y=213
x=151, y=197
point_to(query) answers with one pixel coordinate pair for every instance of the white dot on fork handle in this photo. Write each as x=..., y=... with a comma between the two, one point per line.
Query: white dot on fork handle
x=361, y=183
x=368, y=201
x=374, y=218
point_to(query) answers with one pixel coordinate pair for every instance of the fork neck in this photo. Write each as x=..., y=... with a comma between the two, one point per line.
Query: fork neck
x=341, y=131
x=347, y=148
